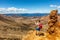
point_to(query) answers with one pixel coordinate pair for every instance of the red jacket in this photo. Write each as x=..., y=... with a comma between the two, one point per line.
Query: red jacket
x=40, y=26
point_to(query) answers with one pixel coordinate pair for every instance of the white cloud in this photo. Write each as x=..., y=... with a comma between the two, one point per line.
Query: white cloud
x=12, y=10
x=1, y=9
x=58, y=7
x=55, y=6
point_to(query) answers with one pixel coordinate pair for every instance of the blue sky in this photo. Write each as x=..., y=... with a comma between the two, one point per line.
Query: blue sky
x=28, y=6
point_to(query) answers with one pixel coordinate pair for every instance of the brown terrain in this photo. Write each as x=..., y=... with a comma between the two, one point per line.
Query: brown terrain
x=12, y=28
x=23, y=28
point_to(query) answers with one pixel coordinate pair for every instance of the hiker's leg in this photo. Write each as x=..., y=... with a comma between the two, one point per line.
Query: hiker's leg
x=40, y=33
x=37, y=31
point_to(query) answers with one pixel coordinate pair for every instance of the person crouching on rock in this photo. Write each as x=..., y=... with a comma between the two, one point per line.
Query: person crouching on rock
x=39, y=25
x=38, y=28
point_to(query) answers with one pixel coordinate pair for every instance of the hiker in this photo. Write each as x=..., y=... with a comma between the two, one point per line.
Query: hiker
x=39, y=25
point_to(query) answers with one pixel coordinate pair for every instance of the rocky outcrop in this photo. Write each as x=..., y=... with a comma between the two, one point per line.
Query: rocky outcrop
x=53, y=22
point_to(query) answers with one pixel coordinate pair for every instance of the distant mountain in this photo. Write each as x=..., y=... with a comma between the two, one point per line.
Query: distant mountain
x=28, y=14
